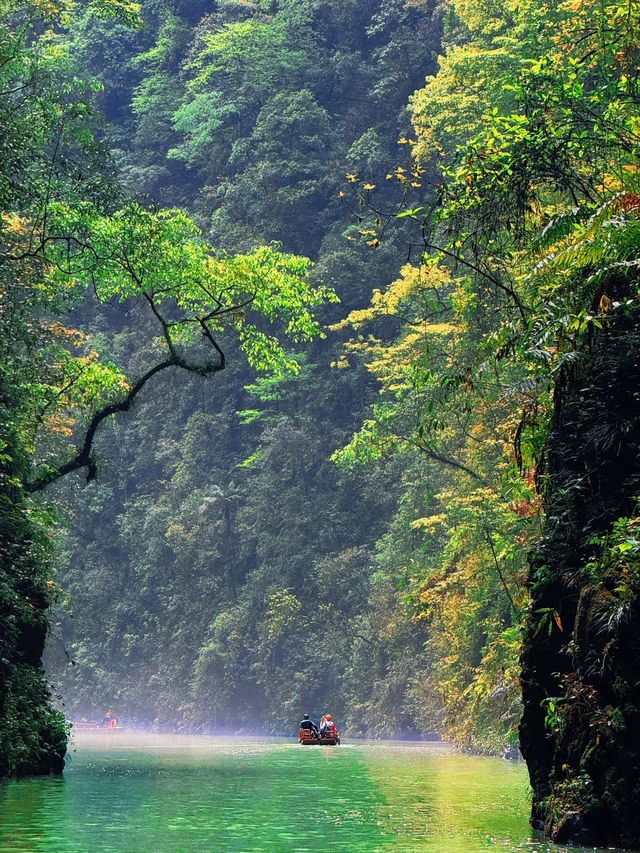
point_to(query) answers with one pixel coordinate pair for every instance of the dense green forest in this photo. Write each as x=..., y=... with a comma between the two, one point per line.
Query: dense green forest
x=234, y=579
x=319, y=377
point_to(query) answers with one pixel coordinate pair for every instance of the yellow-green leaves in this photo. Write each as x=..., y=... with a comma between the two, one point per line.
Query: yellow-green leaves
x=263, y=296
x=196, y=299
x=127, y=12
x=282, y=612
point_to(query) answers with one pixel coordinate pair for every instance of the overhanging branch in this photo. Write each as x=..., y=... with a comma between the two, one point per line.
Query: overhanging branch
x=84, y=458
x=450, y=462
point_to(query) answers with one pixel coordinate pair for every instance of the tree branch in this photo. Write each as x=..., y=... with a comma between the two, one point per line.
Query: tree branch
x=487, y=534
x=489, y=276
x=444, y=460
x=84, y=458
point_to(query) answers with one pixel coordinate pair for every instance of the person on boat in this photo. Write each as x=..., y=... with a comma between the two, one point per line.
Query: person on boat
x=327, y=726
x=109, y=721
x=308, y=725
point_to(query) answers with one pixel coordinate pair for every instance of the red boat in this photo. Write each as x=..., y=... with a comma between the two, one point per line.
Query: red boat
x=307, y=738
x=87, y=725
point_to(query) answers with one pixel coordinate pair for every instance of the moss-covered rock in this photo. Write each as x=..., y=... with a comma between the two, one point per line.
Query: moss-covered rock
x=33, y=735
x=581, y=658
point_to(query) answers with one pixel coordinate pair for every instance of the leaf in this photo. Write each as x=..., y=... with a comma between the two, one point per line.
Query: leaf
x=413, y=212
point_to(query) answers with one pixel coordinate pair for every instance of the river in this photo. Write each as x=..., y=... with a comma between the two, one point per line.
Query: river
x=141, y=793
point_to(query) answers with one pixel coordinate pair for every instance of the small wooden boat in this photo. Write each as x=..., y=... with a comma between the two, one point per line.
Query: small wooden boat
x=307, y=738
x=91, y=726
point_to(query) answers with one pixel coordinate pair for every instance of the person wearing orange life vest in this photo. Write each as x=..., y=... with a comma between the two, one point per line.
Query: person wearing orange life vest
x=109, y=721
x=327, y=726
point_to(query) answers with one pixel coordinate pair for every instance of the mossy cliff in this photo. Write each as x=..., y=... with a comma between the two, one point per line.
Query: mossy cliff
x=581, y=658
x=32, y=735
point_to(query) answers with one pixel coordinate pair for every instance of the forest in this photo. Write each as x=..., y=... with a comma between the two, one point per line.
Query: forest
x=319, y=370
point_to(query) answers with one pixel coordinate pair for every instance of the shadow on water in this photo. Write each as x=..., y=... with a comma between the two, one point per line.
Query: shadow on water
x=169, y=794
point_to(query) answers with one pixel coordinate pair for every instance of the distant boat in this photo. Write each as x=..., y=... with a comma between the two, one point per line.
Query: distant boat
x=91, y=726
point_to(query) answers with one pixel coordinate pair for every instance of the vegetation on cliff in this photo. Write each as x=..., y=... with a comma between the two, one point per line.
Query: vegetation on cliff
x=519, y=336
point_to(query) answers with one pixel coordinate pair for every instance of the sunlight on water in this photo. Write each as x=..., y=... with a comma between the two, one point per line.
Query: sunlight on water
x=173, y=794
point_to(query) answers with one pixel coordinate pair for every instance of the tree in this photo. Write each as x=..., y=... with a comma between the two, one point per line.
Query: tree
x=70, y=243
x=259, y=156
x=532, y=123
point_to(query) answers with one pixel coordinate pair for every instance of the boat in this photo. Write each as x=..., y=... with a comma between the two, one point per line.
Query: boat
x=92, y=726
x=307, y=738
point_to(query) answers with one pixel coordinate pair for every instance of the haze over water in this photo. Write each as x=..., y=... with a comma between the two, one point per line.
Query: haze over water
x=126, y=792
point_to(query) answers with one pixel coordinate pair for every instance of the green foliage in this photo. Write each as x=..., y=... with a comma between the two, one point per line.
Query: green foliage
x=553, y=720
x=249, y=116
x=32, y=735
x=200, y=119
x=616, y=568
x=283, y=608
x=529, y=251
x=73, y=244
x=239, y=551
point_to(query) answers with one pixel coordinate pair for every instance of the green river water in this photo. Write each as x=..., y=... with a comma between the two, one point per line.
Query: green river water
x=173, y=794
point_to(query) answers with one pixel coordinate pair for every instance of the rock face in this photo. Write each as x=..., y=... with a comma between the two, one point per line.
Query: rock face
x=580, y=732
x=33, y=736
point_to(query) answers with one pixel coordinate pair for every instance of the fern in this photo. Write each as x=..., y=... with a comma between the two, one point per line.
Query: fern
x=607, y=240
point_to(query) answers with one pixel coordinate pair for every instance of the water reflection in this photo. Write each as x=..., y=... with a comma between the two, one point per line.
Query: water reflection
x=176, y=794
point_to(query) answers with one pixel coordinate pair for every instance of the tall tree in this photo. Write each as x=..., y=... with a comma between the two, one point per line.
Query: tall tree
x=70, y=243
